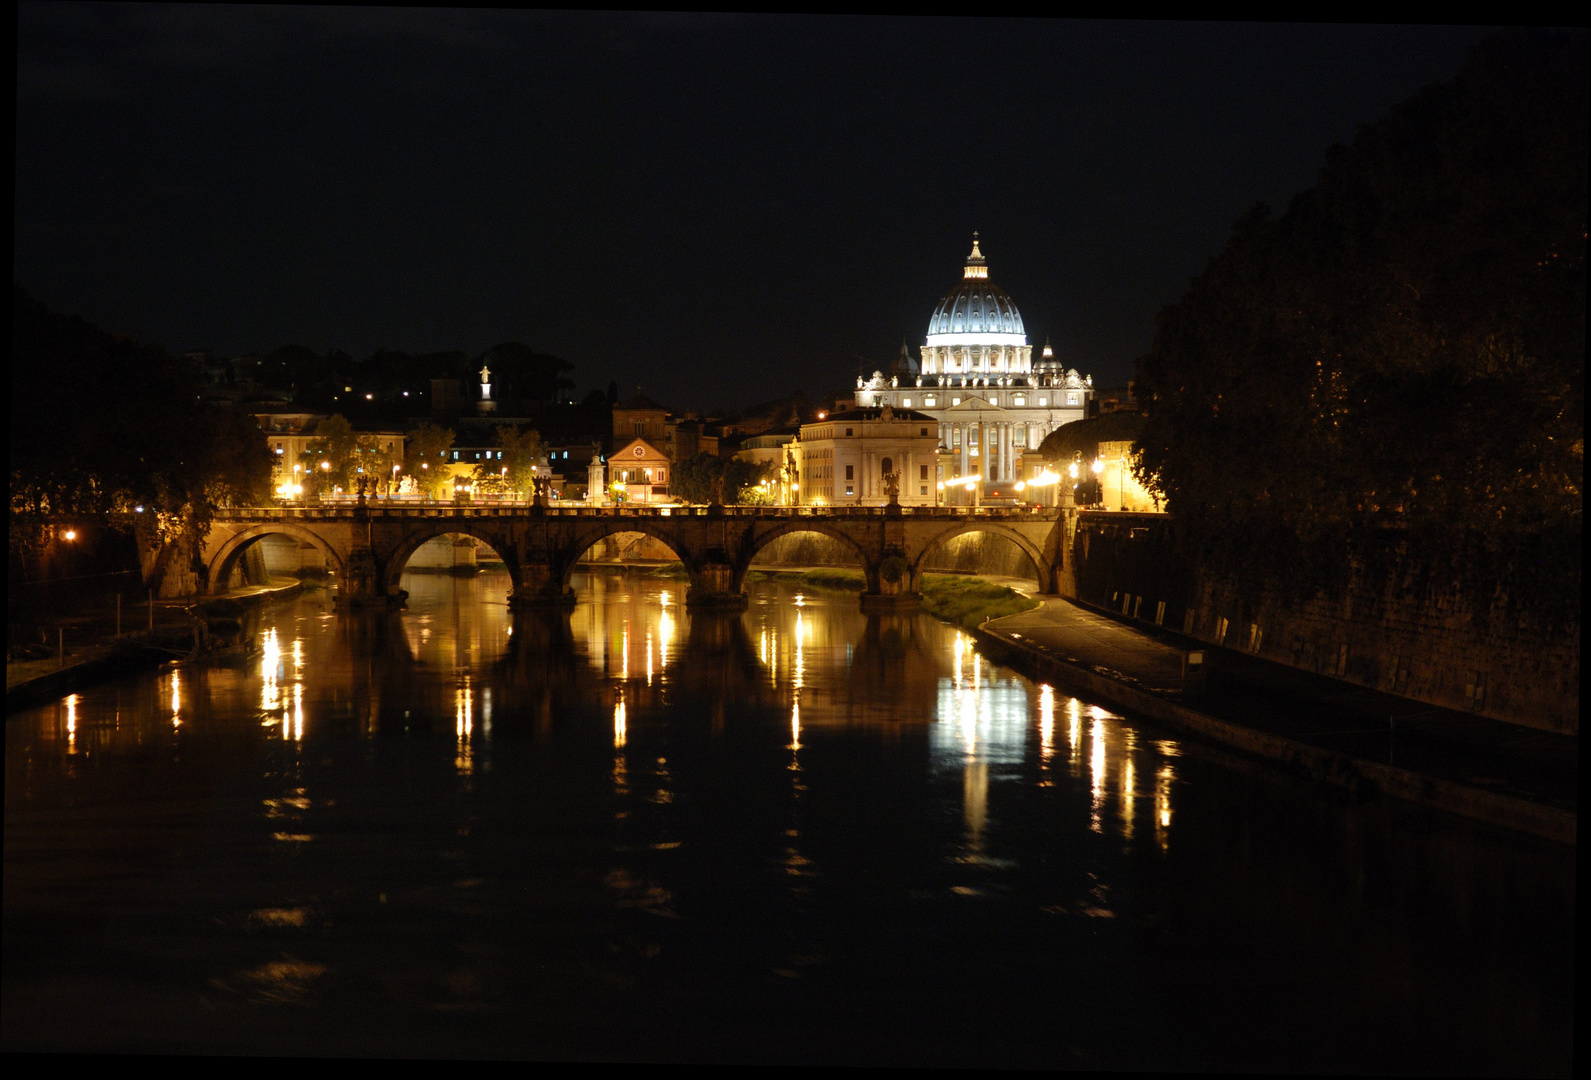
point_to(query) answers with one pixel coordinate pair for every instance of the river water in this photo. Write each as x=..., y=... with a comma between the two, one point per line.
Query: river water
x=797, y=834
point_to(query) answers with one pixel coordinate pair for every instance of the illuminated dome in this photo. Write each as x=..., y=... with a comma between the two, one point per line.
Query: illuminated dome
x=977, y=311
x=1047, y=363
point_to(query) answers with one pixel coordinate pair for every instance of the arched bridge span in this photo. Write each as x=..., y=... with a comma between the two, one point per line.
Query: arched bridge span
x=368, y=547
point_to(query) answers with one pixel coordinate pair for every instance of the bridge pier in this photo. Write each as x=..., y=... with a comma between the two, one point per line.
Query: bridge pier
x=537, y=585
x=891, y=603
x=891, y=584
x=360, y=584
x=713, y=586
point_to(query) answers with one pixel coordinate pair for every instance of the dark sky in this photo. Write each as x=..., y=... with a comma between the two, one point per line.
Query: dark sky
x=720, y=208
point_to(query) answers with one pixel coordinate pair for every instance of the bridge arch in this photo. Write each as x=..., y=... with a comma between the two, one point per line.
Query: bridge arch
x=1034, y=553
x=414, y=539
x=587, y=539
x=225, y=560
x=757, y=542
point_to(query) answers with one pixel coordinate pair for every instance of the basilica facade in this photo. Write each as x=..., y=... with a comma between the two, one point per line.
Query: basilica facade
x=979, y=382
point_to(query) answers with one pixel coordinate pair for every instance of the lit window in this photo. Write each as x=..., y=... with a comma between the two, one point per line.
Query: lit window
x=906, y=403
x=1071, y=399
x=1043, y=401
x=1019, y=400
x=849, y=491
x=928, y=402
x=955, y=401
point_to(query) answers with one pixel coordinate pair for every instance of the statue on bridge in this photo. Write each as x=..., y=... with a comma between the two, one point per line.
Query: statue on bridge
x=892, y=487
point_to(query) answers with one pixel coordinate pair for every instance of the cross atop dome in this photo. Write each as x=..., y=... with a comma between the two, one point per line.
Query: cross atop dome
x=976, y=267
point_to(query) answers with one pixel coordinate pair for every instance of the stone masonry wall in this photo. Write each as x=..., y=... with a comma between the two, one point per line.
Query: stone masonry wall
x=969, y=553
x=1437, y=649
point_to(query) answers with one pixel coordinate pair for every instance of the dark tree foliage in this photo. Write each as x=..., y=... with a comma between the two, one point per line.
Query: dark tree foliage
x=741, y=478
x=692, y=479
x=1394, y=368
x=1084, y=436
x=101, y=424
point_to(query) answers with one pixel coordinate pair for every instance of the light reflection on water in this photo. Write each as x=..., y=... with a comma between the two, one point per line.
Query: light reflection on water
x=861, y=806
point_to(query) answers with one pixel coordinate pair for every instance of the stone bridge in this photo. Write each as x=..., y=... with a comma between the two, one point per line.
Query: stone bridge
x=366, y=548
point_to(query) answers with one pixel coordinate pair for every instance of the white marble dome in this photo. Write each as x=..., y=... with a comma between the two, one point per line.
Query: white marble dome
x=976, y=311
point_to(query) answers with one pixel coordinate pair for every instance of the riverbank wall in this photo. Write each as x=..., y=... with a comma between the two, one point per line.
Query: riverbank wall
x=1427, y=646
x=112, y=656
x=1356, y=776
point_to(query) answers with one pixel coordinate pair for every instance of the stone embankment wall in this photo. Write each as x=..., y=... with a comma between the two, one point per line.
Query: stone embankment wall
x=1434, y=648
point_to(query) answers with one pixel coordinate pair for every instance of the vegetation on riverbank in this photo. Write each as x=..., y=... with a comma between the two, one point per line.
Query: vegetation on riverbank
x=955, y=598
x=967, y=601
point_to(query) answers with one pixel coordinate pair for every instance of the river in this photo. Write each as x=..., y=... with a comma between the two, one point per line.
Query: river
x=797, y=834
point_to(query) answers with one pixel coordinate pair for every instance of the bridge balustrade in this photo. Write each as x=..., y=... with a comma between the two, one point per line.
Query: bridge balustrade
x=333, y=513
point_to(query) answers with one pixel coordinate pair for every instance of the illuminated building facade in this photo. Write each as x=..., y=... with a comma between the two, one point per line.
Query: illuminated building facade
x=979, y=382
x=850, y=458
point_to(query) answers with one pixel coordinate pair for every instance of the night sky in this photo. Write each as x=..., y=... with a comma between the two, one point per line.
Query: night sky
x=722, y=209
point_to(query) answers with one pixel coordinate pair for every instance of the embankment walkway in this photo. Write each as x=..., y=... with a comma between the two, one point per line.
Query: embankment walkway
x=1346, y=735
x=95, y=651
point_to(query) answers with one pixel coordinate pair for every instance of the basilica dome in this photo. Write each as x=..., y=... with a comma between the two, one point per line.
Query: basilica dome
x=977, y=311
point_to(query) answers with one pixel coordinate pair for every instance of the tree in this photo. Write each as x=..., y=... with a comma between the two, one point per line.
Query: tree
x=750, y=483
x=338, y=455
x=428, y=449
x=1084, y=436
x=102, y=425
x=692, y=480
x=1397, y=362
x=516, y=470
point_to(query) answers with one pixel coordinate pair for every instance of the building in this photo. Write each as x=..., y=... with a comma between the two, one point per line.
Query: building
x=288, y=433
x=639, y=418
x=641, y=469
x=767, y=448
x=978, y=381
x=687, y=438
x=848, y=458
x=1115, y=399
